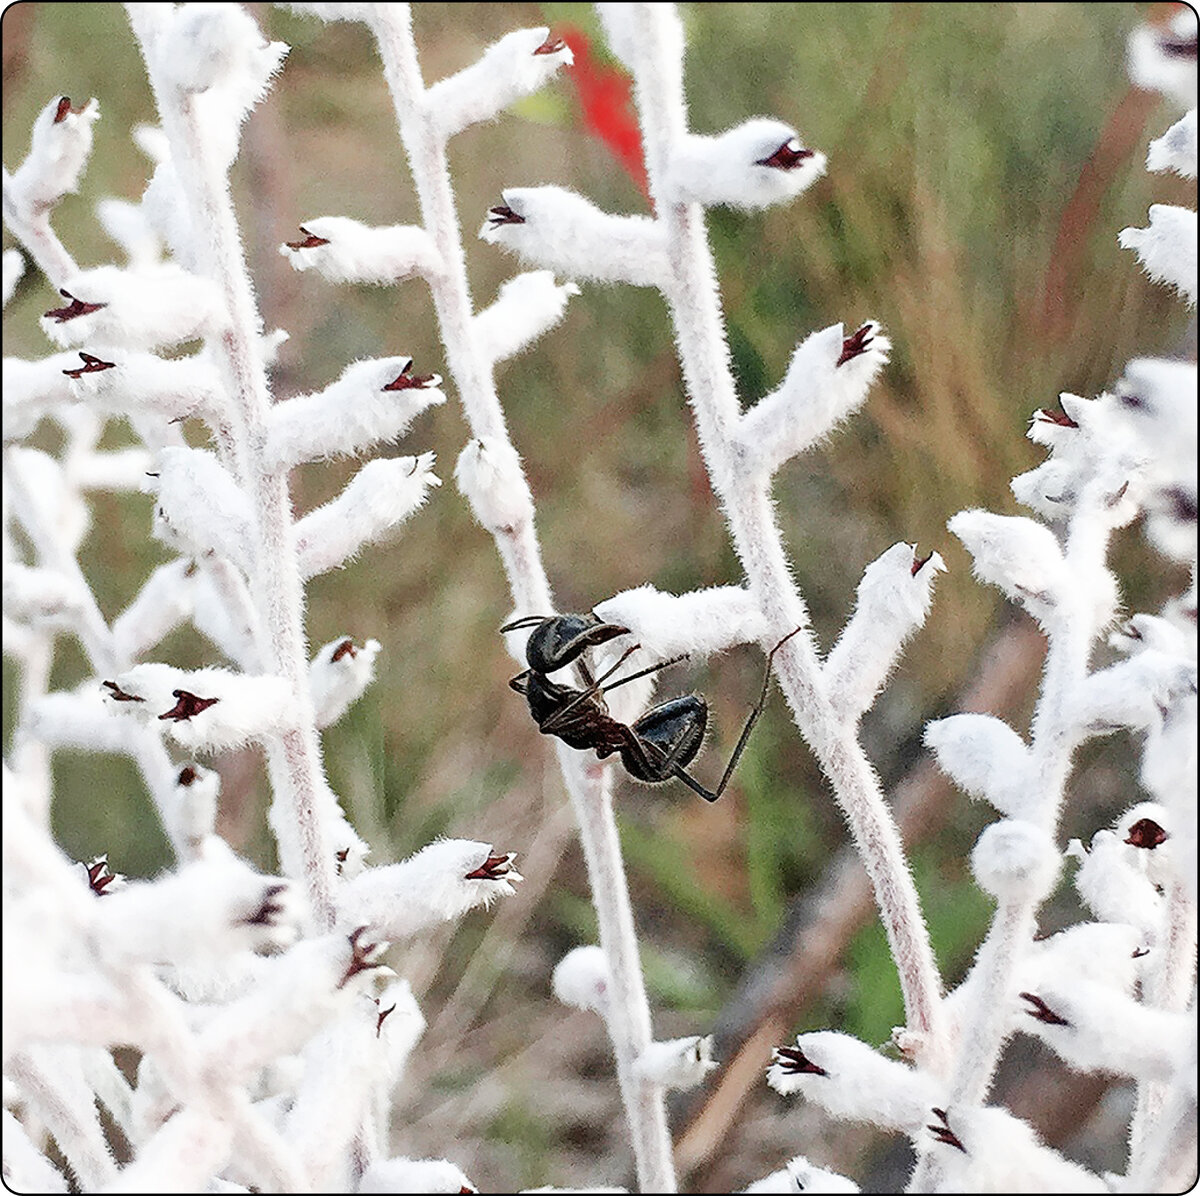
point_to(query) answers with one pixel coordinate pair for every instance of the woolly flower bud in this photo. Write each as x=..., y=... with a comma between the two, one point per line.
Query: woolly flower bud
x=525, y=307
x=490, y=476
x=698, y=623
x=1113, y=887
x=1156, y=403
x=12, y=268
x=1097, y=1028
x=1014, y=860
x=515, y=66
x=150, y=308
x=561, y=231
x=1176, y=148
x=1020, y=556
x=192, y=803
x=851, y=1081
x=802, y=1176
x=371, y=401
x=1146, y=829
x=414, y=1175
x=338, y=675
x=1141, y=632
x=206, y=709
x=985, y=758
x=1162, y=58
x=1167, y=248
x=438, y=884
x=143, y=382
x=893, y=600
x=759, y=163
x=826, y=381
x=680, y=1063
x=374, y=502
x=200, y=507
x=344, y=250
x=80, y=719
x=1099, y=952
x=209, y=908
x=1137, y=692
x=58, y=152
x=582, y=980
x=989, y=1150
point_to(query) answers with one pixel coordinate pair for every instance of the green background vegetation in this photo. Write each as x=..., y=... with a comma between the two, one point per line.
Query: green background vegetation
x=957, y=137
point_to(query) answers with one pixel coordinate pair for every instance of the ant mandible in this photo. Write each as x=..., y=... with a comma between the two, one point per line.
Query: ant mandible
x=657, y=746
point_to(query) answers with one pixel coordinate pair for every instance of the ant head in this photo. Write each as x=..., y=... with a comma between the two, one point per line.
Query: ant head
x=560, y=639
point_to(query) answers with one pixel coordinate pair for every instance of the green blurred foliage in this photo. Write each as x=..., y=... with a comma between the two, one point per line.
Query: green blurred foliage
x=956, y=134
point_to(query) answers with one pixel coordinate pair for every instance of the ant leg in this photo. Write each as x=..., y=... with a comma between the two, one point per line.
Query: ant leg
x=759, y=706
x=527, y=621
x=557, y=718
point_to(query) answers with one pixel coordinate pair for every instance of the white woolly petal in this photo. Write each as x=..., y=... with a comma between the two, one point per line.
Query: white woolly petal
x=373, y=504
x=1106, y=1030
x=697, y=624
x=1020, y=556
x=859, y=1084
x=986, y=758
x=213, y=906
x=1015, y=860
x=1156, y=403
x=1153, y=67
x=1115, y=889
x=435, y=885
x=143, y=382
x=1150, y=832
x=338, y=676
x=1136, y=692
x=205, y=709
x=490, y=476
x=1141, y=632
x=1176, y=148
x=414, y=1175
x=802, y=1176
x=129, y=226
x=581, y=979
x=192, y=803
x=816, y=394
x=561, y=231
x=82, y=719
x=1099, y=952
x=893, y=600
x=12, y=268
x=357, y=252
x=58, y=152
x=1167, y=248
x=200, y=507
x=759, y=163
x=526, y=306
x=154, y=307
x=515, y=66
x=680, y=1063
x=372, y=401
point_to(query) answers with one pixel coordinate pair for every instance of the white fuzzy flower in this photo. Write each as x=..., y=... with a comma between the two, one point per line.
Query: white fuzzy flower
x=208, y=709
x=438, y=884
x=561, y=231
x=1114, y=888
x=379, y=497
x=1099, y=952
x=1176, y=148
x=414, y=1175
x=150, y=308
x=1015, y=860
x=1136, y=692
x=799, y=1175
x=582, y=980
x=345, y=250
x=525, y=307
x=200, y=508
x=338, y=676
x=132, y=383
x=371, y=401
x=61, y=145
x=192, y=803
x=826, y=381
x=1162, y=58
x=680, y=1063
x=80, y=719
x=851, y=1081
x=986, y=758
x=759, y=163
x=1167, y=248
x=893, y=601
x=515, y=66
x=490, y=476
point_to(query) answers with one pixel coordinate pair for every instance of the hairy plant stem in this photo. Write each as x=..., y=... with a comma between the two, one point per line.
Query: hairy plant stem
x=587, y=783
x=294, y=759
x=699, y=328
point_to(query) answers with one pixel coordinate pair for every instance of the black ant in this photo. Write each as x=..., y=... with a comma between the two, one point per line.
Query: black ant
x=659, y=745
